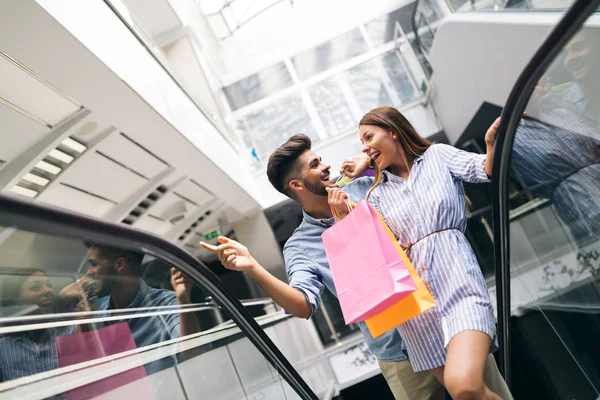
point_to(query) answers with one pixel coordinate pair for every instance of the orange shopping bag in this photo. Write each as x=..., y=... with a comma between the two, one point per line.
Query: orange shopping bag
x=414, y=304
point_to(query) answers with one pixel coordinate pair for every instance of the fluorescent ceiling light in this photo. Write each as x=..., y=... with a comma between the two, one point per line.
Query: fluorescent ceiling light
x=53, y=169
x=59, y=155
x=38, y=180
x=75, y=145
x=24, y=191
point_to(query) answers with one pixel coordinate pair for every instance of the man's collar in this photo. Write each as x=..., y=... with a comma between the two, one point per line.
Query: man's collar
x=327, y=222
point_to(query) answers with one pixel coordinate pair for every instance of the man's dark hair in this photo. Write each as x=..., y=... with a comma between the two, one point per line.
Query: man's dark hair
x=134, y=259
x=283, y=164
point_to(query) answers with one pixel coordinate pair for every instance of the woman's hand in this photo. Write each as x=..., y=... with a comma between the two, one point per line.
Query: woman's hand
x=338, y=199
x=490, y=135
x=355, y=166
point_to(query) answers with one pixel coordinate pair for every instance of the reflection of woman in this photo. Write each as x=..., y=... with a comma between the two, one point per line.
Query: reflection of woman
x=562, y=165
x=421, y=197
x=30, y=352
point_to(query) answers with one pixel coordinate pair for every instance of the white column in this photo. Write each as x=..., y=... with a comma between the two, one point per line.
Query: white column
x=255, y=233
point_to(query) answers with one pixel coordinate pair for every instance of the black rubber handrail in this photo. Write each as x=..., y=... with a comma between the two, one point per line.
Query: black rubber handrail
x=413, y=20
x=24, y=214
x=566, y=28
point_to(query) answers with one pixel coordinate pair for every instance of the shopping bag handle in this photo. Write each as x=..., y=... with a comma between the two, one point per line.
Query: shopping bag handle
x=336, y=213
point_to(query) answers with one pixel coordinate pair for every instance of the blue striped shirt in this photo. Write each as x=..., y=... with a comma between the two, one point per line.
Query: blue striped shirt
x=20, y=356
x=308, y=271
x=429, y=211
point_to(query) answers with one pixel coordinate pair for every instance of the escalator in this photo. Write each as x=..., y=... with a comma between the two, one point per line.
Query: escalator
x=541, y=218
x=137, y=329
x=547, y=261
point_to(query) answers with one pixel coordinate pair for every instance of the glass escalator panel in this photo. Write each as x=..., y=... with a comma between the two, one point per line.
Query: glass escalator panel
x=81, y=319
x=555, y=230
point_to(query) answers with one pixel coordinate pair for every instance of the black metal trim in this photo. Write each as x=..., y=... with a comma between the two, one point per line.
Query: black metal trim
x=24, y=214
x=566, y=28
x=413, y=20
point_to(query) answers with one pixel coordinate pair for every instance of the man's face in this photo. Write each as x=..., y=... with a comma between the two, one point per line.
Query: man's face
x=103, y=271
x=578, y=57
x=315, y=176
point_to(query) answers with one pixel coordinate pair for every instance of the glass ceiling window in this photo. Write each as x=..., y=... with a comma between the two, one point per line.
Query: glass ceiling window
x=329, y=54
x=227, y=16
x=256, y=86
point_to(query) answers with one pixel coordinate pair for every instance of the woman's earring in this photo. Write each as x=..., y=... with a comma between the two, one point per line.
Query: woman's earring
x=395, y=137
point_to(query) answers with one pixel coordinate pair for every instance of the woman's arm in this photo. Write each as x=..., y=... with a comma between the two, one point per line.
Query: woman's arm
x=490, y=139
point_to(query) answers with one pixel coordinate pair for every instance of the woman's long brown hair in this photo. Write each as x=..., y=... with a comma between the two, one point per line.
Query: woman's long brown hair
x=414, y=145
x=392, y=120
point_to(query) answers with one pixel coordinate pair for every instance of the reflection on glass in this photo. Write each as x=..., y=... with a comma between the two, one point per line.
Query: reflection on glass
x=381, y=30
x=332, y=107
x=367, y=85
x=329, y=54
x=273, y=124
x=555, y=242
x=256, y=86
x=121, y=321
x=399, y=77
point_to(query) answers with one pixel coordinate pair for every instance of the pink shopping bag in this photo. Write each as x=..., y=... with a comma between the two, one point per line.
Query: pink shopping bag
x=106, y=341
x=368, y=272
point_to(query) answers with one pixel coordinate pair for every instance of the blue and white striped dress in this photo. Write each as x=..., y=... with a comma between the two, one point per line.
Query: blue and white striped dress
x=431, y=200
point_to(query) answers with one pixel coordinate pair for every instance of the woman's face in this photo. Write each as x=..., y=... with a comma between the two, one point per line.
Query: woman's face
x=37, y=290
x=379, y=144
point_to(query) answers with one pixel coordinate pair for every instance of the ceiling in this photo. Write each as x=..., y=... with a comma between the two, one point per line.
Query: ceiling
x=77, y=136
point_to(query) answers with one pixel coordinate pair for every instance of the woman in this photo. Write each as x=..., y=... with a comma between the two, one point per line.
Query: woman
x=34, y=351
x=419, y=192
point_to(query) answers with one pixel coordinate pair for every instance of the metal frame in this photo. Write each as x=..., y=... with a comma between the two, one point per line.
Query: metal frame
x=518, y=99
x=23, y=214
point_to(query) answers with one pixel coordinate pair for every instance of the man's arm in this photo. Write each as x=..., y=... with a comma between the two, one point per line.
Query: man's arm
x=236, y=257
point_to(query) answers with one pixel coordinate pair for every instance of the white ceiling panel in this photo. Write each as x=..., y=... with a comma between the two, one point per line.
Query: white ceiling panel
x=153, y=225
x=133, y=156
x=155, y=17
x=98, y=175
x=75, y=200
x=167, y=201
x=193, y=192
x=25, y=91
x=18, y=133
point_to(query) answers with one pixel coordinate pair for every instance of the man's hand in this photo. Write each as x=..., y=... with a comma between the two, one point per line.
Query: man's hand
x=355, y=166
x=338, y=199
x=232, y=255
x=182, y=286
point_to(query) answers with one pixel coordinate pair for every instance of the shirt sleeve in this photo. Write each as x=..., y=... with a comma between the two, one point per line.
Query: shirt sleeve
x=357, y=189
x=302, y=275
x=463, y=165
x=172, y=320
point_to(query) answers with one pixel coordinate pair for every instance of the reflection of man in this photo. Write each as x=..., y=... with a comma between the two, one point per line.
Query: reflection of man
x=299, y=173
x=114, y=276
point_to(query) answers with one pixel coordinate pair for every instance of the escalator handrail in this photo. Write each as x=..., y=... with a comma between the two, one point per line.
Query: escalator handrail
x=518, y=99
x=25, y=214
x=413, y=20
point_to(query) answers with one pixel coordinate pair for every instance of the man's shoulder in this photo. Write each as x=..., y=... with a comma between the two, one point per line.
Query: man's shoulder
x=300, y=235
x=358, y=188
x=158, y=297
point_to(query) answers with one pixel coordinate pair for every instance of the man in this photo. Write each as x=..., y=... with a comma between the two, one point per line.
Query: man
x=296, y=171
x=114, y=276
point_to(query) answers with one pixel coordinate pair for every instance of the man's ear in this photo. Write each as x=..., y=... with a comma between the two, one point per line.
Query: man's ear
x=295, y=185
x=121, y=263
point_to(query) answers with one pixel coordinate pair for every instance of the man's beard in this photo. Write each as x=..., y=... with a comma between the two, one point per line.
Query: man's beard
x=315, y=188
x=105, y=286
